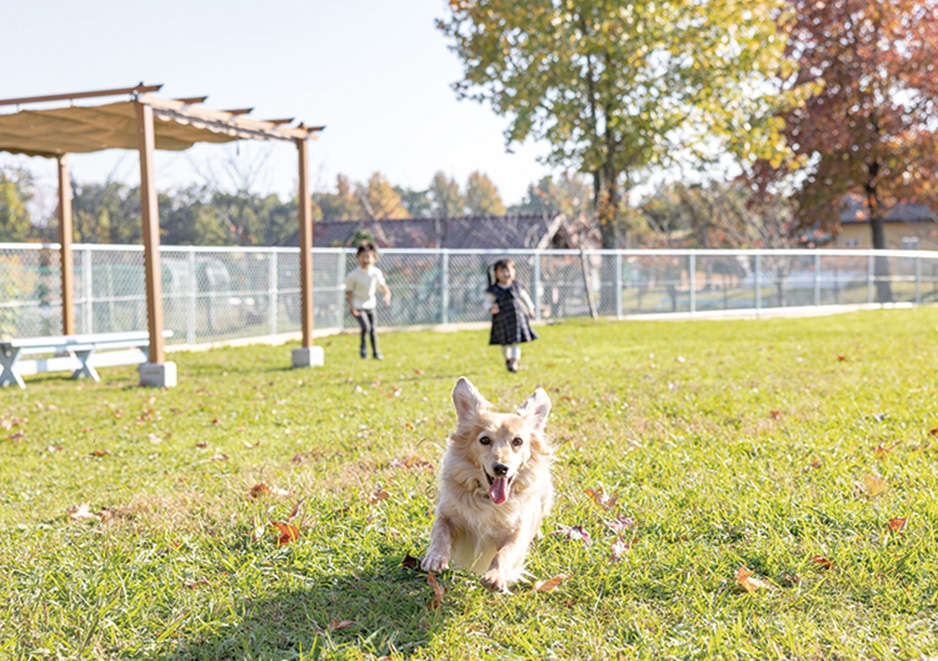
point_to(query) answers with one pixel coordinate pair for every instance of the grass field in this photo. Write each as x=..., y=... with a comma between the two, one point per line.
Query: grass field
x=791, y=447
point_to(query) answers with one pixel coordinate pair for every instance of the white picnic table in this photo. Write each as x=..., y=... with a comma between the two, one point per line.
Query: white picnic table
x=79, y=353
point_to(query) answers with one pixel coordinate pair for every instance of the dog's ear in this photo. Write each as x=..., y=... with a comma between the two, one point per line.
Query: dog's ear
x=536, y=407
x=467, y=400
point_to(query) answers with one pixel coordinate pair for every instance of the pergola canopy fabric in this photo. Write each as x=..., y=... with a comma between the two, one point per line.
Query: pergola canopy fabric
x=177, y=126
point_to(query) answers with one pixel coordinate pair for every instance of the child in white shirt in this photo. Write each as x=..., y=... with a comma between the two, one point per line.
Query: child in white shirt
x=361, y=287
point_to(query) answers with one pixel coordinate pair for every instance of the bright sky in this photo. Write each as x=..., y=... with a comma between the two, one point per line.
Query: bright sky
x=376, y=73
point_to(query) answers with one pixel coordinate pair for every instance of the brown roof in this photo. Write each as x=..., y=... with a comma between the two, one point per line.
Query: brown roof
x=475, y=232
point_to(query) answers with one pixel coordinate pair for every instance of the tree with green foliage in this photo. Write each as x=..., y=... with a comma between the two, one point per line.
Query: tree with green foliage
x=447, y=200
x=569, y=195
x=482, y=197
x=618, y=89
x=106, y=213
x=15, y=192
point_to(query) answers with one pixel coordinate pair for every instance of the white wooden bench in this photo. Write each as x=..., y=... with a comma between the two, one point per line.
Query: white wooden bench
x=83, y=357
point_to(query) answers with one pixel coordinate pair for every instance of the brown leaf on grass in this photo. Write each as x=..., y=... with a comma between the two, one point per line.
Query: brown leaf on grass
x=297, y=459
x=881, y=451
x=620, y=547
x=17, y=435
x=257, y=530
x=600, y=498
x=622, y=522
x=410, y=562
x=897, y=524
x=295, y=510
x=259, y=490
x=775, y=415
x=99, y=453
x=550, y=584
x=378, y=495
x=750, y=584
x=875, y=485
x=288, y=532
x=933, y=432
x=438, y=591
x=335, y=625
x=54, y=448
x=250, y=445
x=219, y=457
x=821, y=561
x=202, y=444
x=197, y=584
x=85, y=430
x=841, y=358
x=574, y=532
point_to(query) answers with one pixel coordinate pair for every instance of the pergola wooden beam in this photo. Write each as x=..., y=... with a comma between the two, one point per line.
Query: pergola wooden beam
x=239, y=111
x=189, y=100
x=138, y=89
x=279, y=121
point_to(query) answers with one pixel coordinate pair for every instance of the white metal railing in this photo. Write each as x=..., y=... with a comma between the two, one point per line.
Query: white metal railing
x=219, y=293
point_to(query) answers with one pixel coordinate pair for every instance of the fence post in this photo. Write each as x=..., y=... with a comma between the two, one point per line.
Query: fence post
x=87, y=318
x=272, y=293
x=618, y=264
x=537, y=285
x=870, y=276
x=692, y=281
x=758, y=281
x=918, y=279
x=817, y=279
x=191, y=302
x=444, y=286
x=340, y=303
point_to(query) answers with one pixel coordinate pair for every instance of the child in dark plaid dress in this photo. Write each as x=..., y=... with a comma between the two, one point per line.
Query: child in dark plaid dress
x=510, y=306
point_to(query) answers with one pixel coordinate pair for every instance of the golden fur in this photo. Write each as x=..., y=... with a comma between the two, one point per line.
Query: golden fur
x=471, y=527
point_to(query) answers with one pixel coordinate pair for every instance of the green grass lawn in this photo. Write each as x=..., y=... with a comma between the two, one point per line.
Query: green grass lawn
x=728, y=444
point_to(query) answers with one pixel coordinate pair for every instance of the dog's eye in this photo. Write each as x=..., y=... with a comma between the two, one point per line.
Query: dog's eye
x=517, y=441
x=485, y=440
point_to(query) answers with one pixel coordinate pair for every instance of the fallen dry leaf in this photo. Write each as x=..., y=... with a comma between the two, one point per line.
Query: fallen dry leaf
x=80, y=512
x=259, y=490
x=219, y=457
x=202, y=444
x=550, y=584
x=288, y=532
x=99, y=453
x=378, y=495
x=750, y=584
x=620, y=547
x=410, y=562
x=54, y=448
x=295, y=510
x=933, y=432
x=600, y=498
x=574, y=532
x=197, y=584
x=775, y=415
x=874, y=484
x=822, y=561
x=881, y=451
x=438, y=591
x=622, y=522
x=898, y=523
x=335, y=625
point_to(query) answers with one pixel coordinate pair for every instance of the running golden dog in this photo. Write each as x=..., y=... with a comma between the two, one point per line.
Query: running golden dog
x=495, y=488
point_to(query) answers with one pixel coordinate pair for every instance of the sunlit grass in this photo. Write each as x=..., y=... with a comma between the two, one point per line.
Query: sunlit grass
x=730, y=443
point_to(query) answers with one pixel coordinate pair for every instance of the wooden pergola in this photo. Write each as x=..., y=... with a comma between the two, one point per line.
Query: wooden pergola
x=146, y=122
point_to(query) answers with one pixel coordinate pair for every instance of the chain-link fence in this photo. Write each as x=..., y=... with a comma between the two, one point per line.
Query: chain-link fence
x=218, y=294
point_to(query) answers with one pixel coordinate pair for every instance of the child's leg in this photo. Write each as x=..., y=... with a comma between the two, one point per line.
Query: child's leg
x=516, y=351
x=373, y=321
x=364, y=321
x=506, y=348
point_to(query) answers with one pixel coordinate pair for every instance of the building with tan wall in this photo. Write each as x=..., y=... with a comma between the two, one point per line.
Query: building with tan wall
x=906, y=226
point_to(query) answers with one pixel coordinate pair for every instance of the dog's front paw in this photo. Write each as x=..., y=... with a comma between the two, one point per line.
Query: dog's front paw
x=434, y=561
x=494, y=581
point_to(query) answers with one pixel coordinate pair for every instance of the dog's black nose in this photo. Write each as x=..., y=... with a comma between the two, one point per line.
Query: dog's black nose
x=501, y=470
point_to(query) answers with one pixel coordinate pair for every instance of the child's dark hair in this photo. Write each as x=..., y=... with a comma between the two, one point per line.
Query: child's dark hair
x=500, y=264
x=366, y=246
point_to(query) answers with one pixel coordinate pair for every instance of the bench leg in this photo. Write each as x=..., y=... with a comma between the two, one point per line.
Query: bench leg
x=85, y=369
x=8, y=374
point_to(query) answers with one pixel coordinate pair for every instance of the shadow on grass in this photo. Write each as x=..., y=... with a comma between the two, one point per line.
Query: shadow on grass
x=381, y=612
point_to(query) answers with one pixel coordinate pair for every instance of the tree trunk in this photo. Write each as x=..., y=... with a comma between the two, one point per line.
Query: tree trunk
x=875, y=214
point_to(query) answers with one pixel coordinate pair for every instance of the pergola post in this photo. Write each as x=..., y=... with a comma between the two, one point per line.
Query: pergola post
x=307, y=355
x=65, y=247
x=156, y=371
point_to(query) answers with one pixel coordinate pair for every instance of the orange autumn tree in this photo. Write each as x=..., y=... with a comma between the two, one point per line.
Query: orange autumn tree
x=870, y=128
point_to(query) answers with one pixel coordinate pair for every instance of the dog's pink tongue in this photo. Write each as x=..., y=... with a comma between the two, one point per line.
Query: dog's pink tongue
x=499, y=490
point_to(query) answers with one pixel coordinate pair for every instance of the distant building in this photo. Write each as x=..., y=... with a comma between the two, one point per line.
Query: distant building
x=542, y=232
x=906, y=226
